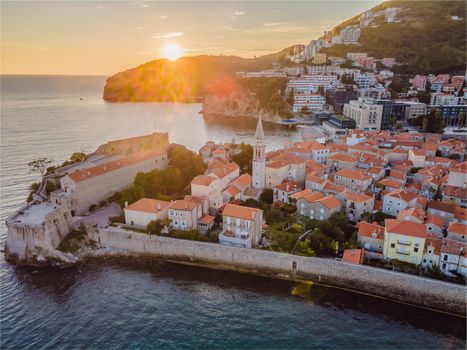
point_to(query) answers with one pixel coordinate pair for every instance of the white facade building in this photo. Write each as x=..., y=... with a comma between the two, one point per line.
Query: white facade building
x=367, y=116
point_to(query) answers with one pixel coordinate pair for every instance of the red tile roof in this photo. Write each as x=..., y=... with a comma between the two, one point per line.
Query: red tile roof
x=456, y=227
x=148, y=205
x=182, y=204
x=404, y=195
x=357, y=197
x=448, y=207
x=353, y=256
x=92, y=172
x=353, y=174
x=203, y=180
x=366, y=229
x=450, y=246
x=407, y=228
x=241, y=212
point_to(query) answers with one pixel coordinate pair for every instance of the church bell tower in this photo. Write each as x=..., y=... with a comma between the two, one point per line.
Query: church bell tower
x=259, y=158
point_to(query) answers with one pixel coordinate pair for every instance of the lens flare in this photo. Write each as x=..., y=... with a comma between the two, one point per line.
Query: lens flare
x=172, y=51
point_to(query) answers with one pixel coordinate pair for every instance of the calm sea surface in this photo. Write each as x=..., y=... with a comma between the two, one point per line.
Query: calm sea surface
x=153, y=305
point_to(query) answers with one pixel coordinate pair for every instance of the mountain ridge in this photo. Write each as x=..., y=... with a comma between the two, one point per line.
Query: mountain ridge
x=419, y=41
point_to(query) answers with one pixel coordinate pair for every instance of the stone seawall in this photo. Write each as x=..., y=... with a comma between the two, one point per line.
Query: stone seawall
x=400, y=287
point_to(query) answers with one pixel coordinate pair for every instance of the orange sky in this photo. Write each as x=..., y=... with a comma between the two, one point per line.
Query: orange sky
x=86, y=37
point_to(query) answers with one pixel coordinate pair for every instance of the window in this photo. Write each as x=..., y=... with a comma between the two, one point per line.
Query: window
x=424, y=261
x=445, y=258
x=415, y=250
x=393, y=245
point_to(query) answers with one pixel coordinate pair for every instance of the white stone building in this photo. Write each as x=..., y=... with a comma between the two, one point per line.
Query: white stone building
x=367, y=115
x=89, y=186
x=145, y=210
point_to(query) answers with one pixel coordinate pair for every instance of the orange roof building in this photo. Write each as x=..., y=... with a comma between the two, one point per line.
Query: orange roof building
x=353, y=256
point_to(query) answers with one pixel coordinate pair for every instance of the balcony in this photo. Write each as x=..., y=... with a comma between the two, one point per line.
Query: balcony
x=402, y=251
x=237, y=239
x=404, y=242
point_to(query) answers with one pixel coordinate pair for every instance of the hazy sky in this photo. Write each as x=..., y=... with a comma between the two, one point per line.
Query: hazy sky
x=104, y=37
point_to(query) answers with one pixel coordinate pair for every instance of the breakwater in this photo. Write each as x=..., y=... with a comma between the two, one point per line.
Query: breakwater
x=406, y=288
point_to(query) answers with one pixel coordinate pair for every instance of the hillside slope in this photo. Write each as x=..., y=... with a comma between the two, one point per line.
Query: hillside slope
x=184, y=80
x=427, y=38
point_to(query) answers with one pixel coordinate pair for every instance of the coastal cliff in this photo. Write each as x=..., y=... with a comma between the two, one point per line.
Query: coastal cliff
x=185, y=80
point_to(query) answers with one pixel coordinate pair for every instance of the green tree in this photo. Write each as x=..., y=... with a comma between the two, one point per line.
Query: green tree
x=155, y=227
x=39, y=166
x=433, y=122
x=188, y=162
x=320, y=243
x=267, y=196
x=77, y=157
x=244, y=158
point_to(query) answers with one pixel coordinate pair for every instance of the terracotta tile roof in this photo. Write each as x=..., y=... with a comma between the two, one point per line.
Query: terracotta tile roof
x=284, y=160
x=436, y=171
x=314, y=166
x=330, y=187
x=460, y=168
x=418, y=152
x=460, y=213
x=311, y=146
x=203, y=180
x=450, y=246
x=241, y=212
x=335, y=147
x=421, y=201
x=375, y=170
x=341, y=157
x=182, y=204
x=399, y=151
x=313, y=197
x=353, y=174
x=448, y=207
x=313, y=178
x=430, y=147
x=417, y=213
x=407, y=228
x=224, y=170
x=207, y=219
x=98, y=170
x=251, y=192
x=455, y=191
x=242, y=181
x=404, y=195
x=397, y=174
x=232, y=190
x=353, y=256
x=196, y=199
x=378, y=205
x=148, y=205
x=370, y=230
x=288, y=186
x=456, y=227
x=301, y=194
x=435, y=243
x=389, y=183
x=329, y=202
x=357, y=197
x=434, y=220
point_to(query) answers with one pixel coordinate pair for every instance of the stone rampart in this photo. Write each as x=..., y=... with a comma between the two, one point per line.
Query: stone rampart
x=396, y=286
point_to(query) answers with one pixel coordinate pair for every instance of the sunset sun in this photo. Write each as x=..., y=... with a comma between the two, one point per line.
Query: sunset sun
x=172, y=51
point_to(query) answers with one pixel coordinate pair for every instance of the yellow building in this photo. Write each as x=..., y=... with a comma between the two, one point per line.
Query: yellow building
x=404, y=240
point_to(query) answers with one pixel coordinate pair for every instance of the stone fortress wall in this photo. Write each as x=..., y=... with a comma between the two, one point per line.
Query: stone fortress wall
x=396, y=286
